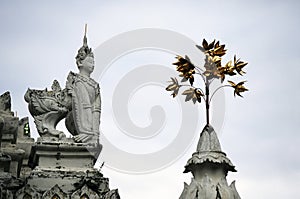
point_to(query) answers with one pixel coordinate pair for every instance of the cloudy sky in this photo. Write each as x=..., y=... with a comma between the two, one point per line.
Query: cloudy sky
x=260, y=133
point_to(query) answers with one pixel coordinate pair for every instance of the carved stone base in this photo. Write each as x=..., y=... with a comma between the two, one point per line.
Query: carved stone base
x=65, y=169
x=64, y=154
x=68, y=180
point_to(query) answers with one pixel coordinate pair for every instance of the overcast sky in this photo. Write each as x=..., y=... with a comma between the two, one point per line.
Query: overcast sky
x=39, y=41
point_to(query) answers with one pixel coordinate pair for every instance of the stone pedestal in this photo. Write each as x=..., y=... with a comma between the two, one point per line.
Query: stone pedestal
x=65, y=169
x=64, y=154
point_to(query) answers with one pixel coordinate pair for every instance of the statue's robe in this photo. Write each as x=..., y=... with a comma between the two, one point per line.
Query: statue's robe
x=86, y=105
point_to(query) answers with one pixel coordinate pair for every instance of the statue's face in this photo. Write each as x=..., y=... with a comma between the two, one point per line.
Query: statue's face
x=88, y=64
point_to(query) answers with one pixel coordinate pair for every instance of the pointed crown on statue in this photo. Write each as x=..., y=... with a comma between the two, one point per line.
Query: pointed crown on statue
x=84, y=51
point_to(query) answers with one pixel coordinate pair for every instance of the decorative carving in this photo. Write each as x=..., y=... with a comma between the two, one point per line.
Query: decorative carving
x=207, y=189
x=85, y=193
x=113, y=194
x=27, y=192
x=47, y=109
x=55, y=193
x=97, y=183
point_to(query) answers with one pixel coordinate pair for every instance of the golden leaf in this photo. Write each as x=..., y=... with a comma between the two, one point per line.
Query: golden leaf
x=198, y=94
x=200, y=48
x=207, y=46
x=174, y=86
x=185, y=68
x=220, y=51
x=211, y=45
x=193, y=94
x=238, y=88
x=204, y=44
x=231, y=83
x=239, y=65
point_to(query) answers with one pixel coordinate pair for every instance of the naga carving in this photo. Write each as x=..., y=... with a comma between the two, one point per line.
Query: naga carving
x=47, y=109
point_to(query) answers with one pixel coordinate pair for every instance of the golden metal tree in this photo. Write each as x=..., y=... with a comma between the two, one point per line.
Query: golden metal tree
x=213, y=69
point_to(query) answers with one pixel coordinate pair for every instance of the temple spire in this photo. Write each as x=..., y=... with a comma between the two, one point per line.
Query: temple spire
x=209, y=166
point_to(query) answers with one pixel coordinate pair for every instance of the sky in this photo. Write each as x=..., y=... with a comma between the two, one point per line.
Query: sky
x=260, y=132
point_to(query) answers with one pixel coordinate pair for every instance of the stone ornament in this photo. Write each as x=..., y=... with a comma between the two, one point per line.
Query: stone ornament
x=113, y=194
x=27, y=192
x=55, y=193
x=85, y=192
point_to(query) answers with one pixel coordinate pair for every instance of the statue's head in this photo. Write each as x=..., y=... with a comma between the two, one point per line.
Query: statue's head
x=86, y=65
x=85, y=58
